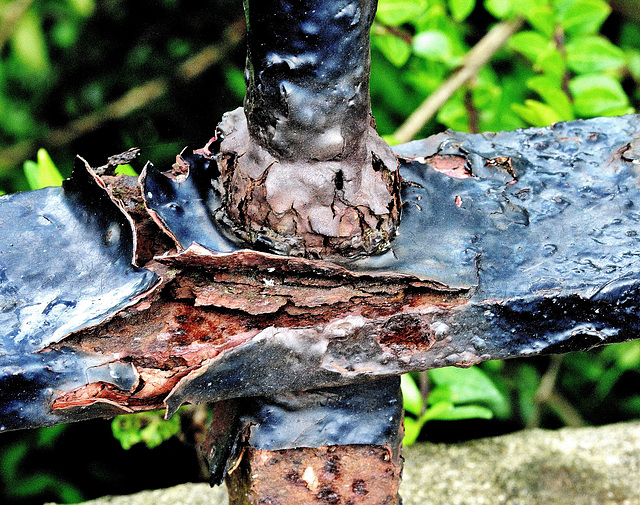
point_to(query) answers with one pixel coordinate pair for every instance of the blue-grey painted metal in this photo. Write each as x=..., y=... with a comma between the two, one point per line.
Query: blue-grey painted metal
x=65, y=264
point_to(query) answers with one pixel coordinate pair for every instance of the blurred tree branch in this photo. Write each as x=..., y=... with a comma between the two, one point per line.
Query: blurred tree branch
x=628, y=8
x=10, y=18
x=134, y=99
x=476, y=58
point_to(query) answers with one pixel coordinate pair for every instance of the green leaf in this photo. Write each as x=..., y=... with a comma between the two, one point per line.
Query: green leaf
x=458, y=413
x=148, y=427
x=412, y=427
x=500, y=9
x=538, y=14
x=552, y=64
x=83, y=7
x=468, y=386
x=454, y=114
x=531, y=44
x=548, y=88
x=589, y=55
x=397, y=12
x=390, y=139
x=536, y=113
x=633, y=58
x=411, y=431
x=47, y=436
x=582, y=16
x=629, y=36
x=125, y=170
x=16, y=118
x=235, y=81
x=411, y=395
x=65, y=33
x=460, y=9
x=42, y=173
x=598, y=95
x=527, y=381
x=437, y=411
x=395, y=49
x=433, y=45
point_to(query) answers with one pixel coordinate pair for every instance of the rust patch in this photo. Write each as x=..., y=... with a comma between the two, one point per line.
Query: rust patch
x=406, y=334
x=356, y=474
x=249, y=299
x=449, y=164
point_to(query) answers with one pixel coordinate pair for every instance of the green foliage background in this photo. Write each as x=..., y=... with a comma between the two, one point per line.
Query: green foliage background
x=65, y=66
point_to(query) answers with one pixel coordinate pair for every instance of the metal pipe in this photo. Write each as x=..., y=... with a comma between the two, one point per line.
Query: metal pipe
x=307, y=76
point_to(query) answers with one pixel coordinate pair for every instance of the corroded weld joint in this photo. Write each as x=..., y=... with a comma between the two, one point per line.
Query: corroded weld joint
x=302, y=170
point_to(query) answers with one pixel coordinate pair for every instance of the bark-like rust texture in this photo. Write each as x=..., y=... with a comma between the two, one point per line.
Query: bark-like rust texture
x=302, y=170
x=344, y=475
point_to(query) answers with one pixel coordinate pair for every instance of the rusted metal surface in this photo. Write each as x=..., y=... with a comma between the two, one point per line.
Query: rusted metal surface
x=346, y=474
x=302, y=170
x=531, y=251
x=367, y=414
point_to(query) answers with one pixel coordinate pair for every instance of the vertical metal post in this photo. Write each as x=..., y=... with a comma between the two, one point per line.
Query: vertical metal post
x=332, y=446
x=303, y=171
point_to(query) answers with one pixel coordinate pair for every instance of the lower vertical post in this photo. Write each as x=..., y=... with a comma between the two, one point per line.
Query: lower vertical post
x=331, y=446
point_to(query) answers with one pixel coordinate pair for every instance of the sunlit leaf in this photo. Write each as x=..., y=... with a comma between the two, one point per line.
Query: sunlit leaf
x=83, y=7
x=538, y=13
x=396, y=12
x=553, y=95
x=530, y=43
x=596, y=95
x=396, y=50
x=126, y=170
x=536, y=113
x=460, y=9
x=433, y=45
x=148, y=427
x=499, y=8
x=43, y=173
x=582, y=16
x=411, y=395
x=552, y=63
x=469, y=386
x=29, y=44
x=588, y=55
x=459, y=413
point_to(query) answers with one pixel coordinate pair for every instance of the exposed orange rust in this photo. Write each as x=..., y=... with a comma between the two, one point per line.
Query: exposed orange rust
x=208, y=305
x=349, y=474
x=449, y=164
x=150, y=240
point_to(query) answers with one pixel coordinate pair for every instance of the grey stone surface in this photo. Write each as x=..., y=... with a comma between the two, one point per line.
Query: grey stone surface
x=585, y=466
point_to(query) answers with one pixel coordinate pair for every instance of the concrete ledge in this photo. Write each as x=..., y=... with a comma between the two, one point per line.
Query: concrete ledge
x=590, y=466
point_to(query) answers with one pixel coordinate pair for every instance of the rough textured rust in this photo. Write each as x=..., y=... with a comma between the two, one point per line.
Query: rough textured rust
x=302, y=169
x=336, y=475
x=305, y=207
x=150, y=241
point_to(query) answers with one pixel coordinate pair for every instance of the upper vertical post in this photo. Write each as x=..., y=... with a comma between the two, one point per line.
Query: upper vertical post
x=307, y=76
x=303, y=171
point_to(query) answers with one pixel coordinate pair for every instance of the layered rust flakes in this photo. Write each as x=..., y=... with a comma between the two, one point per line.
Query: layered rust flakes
x=208, y=305
x=150, y=241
